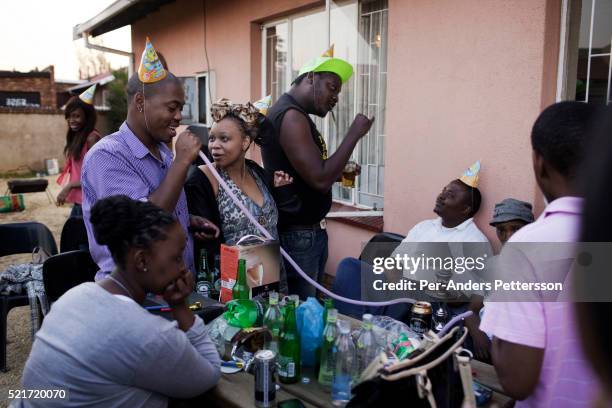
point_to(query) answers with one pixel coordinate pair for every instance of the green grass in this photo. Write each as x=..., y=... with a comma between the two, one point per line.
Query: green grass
x=18, y=174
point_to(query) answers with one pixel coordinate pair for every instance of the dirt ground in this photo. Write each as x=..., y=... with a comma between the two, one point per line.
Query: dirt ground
x=38, y=208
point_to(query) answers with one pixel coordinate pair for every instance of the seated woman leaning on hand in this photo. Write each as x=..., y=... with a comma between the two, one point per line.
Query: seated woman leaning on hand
x=235, y=127
x=100, y=345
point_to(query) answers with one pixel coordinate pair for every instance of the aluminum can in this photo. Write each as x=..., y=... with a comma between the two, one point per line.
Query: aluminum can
x=265, y=385
x=420, y=320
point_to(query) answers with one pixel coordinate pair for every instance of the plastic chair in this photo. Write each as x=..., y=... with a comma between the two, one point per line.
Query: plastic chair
x=64, y=271
x=20, y=238
x=74, y=235
x=373, y=249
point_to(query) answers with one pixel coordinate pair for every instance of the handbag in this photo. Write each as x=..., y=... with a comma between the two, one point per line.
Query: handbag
x=439, y=376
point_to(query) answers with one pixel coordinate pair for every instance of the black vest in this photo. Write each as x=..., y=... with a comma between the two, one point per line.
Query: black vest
x=315, y=205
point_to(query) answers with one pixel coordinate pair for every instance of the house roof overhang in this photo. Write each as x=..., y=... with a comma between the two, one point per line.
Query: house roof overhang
x=117, y=15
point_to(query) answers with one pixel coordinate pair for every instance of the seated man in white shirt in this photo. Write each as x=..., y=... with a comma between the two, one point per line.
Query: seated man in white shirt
x=455, y=206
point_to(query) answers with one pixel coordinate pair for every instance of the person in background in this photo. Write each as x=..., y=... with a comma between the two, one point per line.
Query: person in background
x=135, y=161
x=595, y=332
x=297, y=147
x=101, y=345
x=234, y=129
x=509, y=216
x=455, y=207
x=535, y=349
x=80, y=137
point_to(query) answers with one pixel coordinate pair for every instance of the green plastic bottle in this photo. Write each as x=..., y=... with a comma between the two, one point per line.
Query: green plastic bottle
x=241, y=289
x=289, y=349
x=328, y=350
x=273, y=321
x=328, y=305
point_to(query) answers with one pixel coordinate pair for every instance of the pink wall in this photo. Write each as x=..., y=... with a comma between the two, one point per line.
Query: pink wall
x=177, y=30
x=470, y=78
x=466, y=81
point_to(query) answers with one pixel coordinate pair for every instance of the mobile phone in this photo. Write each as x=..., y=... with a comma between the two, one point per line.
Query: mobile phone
x=291, y=403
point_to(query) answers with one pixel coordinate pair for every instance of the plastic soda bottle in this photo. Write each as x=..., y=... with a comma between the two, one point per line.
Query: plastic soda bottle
x=273, y=321
x=366, y=345
x=328, y=349
x=344, y=366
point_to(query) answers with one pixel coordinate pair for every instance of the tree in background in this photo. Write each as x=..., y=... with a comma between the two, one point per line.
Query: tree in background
x=117, y=100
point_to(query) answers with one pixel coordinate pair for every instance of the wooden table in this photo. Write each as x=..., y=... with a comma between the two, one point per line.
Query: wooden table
x=237, y=390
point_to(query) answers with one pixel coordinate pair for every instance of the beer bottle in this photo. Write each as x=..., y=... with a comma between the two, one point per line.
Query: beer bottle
x=330, y=332
x=241, y=289
x=289, y=349
x=273, y=321
x=202, y=285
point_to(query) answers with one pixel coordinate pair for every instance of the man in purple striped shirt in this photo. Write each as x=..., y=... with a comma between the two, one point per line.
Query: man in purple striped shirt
x=136, y=162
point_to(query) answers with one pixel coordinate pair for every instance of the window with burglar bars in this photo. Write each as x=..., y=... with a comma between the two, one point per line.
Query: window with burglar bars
x=587, y=39
x=358, y=30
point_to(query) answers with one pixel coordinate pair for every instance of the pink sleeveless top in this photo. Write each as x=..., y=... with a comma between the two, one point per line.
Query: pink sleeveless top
x=72, y=169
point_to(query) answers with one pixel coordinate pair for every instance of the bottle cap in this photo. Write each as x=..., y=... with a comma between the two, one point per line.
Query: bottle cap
x=344, y=327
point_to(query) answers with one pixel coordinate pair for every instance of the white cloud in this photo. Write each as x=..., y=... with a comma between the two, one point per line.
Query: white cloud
x=38, y=33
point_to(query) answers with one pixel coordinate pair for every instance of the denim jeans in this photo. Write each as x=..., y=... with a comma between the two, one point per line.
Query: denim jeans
x=308, y=248
x=77, y=211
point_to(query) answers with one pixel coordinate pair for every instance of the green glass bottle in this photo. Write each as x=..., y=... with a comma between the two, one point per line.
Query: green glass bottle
x=289, y=349
x=273, y=321
x=328, y=350
x=241, y=290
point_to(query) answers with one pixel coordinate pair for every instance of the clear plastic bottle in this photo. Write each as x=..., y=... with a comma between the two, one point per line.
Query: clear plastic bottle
x=366, y=345
x=328, y=350
x=273, y=321
x=345, y=366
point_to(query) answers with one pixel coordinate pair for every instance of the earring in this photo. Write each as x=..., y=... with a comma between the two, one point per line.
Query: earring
x=145, y=269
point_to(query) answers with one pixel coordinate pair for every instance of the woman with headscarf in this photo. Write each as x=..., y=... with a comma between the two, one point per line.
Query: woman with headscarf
x=235, y=128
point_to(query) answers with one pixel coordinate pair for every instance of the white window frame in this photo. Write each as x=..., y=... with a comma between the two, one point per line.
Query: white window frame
x=210, y=95
x=288, y=73
x=564, y=52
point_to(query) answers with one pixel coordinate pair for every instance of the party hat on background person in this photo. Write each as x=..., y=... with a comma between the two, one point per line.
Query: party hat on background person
x=263, y=104
x=151, y=69
x=330, y=52
x=328, y=63
x=471, y=175
x=88, y=95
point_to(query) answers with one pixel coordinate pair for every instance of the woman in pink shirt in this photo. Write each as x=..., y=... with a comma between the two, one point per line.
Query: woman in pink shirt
x=81, y=136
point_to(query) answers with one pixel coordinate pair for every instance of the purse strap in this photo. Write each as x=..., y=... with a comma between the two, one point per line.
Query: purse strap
x=424, y=388
x=462, y=359
x=465, y=372
x=415, y=370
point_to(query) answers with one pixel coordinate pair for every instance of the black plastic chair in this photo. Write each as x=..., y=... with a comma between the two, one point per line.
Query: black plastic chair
x=20, y=238
x=64, y=271
x=74, y=235
x=373, y=250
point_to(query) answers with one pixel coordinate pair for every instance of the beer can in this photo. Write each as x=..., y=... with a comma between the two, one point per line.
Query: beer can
x=420, y=320
x=265, y=386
